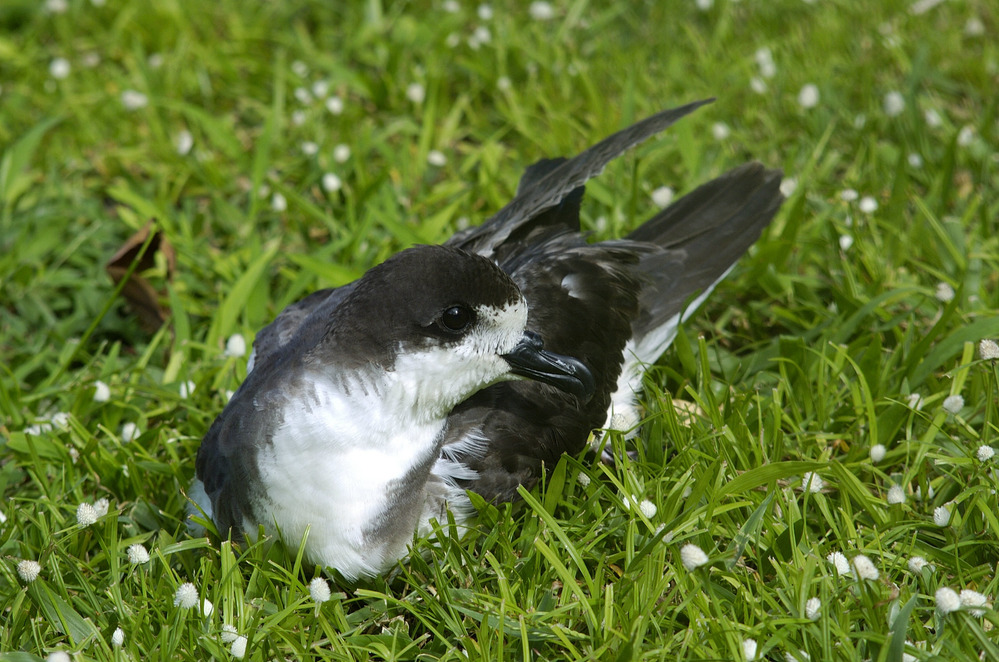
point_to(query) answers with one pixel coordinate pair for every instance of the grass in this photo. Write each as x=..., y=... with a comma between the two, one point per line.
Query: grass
x=835, y=335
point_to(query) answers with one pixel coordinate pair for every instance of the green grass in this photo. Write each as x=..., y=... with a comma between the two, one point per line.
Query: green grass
x=803, y=360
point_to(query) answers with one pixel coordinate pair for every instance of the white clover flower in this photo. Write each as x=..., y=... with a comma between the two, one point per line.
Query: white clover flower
x=137, y=554
x=504, y=84
x=848, y=195
x=896, y=494
x=416, y=93
x=748, y=645
x=808, y=97
x=235, y=346
x=129, y=431
x=58, y=656
x=720, y=131
x=932, y=117
x=971, y=598
x=812, y=608
x=309, y=148
x=692, y=556
x=331, y=183
x=894, y=104
x=662, y=196
x=974, y=27
x=3, y=518
x=279, y=203
x=541, y=11
x=300, y=69
x=868, y=205
x=864, y=568
x=334, y=105
x=60, y=420
x=845, y=242
x=101, y=507
x=183, y=142
x=436, y=158
x=915, y=160
x=758, y=85
x=985, y=453
x=482, y=35
x=765, y=61
x=916, y=564
x=840, y=562
x=944, y=292
x=238, y=648
x=85, y=515
x=186, y=596
x=788, y=186
x=118, y=638
x=155, y=60
x=102, y=392
x=947, y=600
x=341, y=153
x=320, y=89
x=583, y=479
x=298, y=117
x=56, y=6
x=953, y=404
x=941, y=516
x=134, y=100
x=878, y=453
x=186, y=388
x=648, y=508
x=812, y=482
x=319, y=589
x=915, y=401
x=485, y=12
x=303, y=96
x=29, y=570
x=59, y=68
x=988, y=349
x=965, y=136
x=228, y=634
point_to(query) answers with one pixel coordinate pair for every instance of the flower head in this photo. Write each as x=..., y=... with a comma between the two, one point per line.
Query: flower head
x=134, y=100
x=868, y=204
x=896, y=494
x=129, y=431
x=662, y=196
x=186, y=596
x=952, y=404
x=235, y=346
x=334, y=105
x=971, y=598
x=808, y=97
x=137, y=554
x=102, y=393
x=749, y=649
x=341, y=153
x=183, y=142
x=331, y=183
x=228, y=634
x=864, y=567
x=692, y=556
x=85, y=515
x=985, y=453
x=29, y=570
x=186, y=388
x=541, y=11
x=416, y=93
x=916, y=564
x=812, y=482
x=947, y=600
x=319, y=589
x=436, y=158
x=988, y=349
x=839, y=561
x=648, y=508
x=812, y=608
x=238, y=647
x=877, y=453
x=118, y=638
x=941, y=516
x=894, y=103
x=583, y=479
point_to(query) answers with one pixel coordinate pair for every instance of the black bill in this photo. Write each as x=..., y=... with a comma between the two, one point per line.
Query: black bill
x=529, y=359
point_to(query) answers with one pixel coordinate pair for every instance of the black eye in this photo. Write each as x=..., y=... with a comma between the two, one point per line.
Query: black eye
x=457, y=318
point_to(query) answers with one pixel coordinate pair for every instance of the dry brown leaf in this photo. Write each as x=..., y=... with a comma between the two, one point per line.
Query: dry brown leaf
x=138, y=292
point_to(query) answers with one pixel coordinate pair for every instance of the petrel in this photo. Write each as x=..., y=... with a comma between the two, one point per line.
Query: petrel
x=371, y=409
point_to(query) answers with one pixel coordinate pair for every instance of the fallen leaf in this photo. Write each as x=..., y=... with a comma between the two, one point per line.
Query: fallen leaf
x=138, y=292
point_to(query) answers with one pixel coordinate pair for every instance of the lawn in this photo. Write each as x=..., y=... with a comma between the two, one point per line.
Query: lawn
x=815, y=476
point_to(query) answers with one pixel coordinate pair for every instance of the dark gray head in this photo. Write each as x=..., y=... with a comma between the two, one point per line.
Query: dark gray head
x=441, y=323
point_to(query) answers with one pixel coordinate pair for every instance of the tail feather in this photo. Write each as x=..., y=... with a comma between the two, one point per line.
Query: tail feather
x=702, y=236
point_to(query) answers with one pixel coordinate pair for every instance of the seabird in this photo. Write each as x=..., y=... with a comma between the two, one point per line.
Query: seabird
x=369, y=409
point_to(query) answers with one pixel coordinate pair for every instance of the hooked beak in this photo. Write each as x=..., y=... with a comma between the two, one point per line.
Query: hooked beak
x=529, y=359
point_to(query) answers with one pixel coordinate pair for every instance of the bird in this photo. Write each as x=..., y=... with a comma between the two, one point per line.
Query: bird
x=371, y=409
